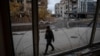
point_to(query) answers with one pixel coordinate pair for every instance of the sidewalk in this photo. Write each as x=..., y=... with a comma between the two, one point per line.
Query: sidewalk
x=65, y=40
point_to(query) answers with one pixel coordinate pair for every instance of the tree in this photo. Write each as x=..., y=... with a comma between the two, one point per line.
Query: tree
x=43, y=13
x=14, y=8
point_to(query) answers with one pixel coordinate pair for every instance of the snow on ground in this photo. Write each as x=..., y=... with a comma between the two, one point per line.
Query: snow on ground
x=65, y=40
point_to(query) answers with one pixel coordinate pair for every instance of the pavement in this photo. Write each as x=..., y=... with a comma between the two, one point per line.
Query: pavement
x=65, y=40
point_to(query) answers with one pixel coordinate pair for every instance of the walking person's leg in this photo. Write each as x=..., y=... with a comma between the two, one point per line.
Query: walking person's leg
x=52, y=46
x=47, y=45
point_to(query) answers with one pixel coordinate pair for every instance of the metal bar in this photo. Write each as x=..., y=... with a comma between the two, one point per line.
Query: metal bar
x=35, y=27
x=94, y=24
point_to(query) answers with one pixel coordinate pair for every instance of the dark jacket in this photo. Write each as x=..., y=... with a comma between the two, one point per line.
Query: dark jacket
x=49, y=35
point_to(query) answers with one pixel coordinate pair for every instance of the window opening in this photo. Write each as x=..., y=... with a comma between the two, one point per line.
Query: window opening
x=21, y=23
x=70, y=28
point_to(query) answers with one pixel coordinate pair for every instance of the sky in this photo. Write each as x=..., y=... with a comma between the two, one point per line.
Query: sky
x=51, y=5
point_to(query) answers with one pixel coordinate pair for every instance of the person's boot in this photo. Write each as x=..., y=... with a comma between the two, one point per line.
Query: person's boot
x=52, y=49
x=45, y=54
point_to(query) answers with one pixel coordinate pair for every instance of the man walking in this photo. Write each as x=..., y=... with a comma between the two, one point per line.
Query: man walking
x=49, y=38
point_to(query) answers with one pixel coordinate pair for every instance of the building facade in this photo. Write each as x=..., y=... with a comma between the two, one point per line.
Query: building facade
x=60, y=10
x=86, y=6
x=27, y=6
x=68, y=8
x=73, y=8
x=63, y=8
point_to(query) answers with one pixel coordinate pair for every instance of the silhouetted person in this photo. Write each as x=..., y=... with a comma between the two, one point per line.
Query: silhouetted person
x=49, y=38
